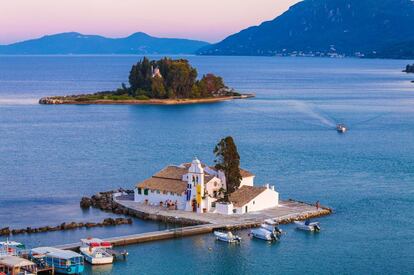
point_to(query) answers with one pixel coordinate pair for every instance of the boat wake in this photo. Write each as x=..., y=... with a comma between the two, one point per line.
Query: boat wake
x=313, y=112
x=18, y=101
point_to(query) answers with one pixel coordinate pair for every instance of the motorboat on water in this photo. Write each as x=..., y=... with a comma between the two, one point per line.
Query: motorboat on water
x=96, y=252
x=11, y=248
x=308, y=226
x=264, y=234
x=63, y=261
x=227, y=237
x=272, y=228
x=341, y=128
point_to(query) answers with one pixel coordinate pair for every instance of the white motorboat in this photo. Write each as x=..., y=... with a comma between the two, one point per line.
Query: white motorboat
x=227, y=237
x=341, y=128
x=264, y=234
x=308, y=226
x=10, y=248
x=272, y=228
x=95, y=251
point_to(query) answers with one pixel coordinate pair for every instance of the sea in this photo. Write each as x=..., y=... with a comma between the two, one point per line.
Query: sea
x=51, y=156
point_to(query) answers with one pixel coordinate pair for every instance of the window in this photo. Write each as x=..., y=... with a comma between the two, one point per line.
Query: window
x=146, y=192
x=139, y=191
x=254, y=202
x=215, y=184
x=234, y=211
x=164, y=192
x=158, y=192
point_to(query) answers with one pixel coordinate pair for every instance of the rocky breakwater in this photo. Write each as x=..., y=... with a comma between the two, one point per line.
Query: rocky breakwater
x=51, y=100
x=105, y=201
x=65, y=226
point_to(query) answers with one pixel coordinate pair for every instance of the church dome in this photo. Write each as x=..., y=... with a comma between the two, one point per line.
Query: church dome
x=196, y=167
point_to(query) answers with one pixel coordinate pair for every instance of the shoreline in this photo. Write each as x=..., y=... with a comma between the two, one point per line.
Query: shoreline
x=62, y=101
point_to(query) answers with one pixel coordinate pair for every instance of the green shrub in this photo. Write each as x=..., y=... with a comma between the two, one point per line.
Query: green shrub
x=142, y=97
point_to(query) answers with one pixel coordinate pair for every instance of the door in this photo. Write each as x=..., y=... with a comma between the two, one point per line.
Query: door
x=245, y=209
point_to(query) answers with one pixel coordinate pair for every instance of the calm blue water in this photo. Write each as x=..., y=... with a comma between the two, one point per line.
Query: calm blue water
x=50, y=156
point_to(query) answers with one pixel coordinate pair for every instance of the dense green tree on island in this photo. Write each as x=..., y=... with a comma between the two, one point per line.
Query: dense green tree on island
x=228, y=160
x=168, y=78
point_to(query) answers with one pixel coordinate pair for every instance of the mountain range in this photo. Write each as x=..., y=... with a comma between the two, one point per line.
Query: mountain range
x=77, y=43
x=370, y=28
x=373, y=28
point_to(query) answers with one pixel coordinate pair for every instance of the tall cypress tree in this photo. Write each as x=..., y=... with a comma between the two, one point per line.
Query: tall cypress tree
x=228, y=161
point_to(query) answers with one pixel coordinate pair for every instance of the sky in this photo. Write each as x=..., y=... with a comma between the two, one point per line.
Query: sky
x=208, y=20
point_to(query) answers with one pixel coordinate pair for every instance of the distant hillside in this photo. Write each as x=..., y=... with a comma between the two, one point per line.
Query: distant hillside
x=402, y=50
x=327, y=27
x=76, y=43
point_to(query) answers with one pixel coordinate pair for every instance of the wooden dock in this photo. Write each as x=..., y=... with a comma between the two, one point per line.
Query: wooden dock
x=287, y=212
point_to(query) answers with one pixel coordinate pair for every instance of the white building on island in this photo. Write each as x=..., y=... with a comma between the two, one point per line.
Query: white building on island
x=199, y=188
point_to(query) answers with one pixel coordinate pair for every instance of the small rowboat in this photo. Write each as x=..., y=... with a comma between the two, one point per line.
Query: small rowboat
x=227, y=237
x=308, y=226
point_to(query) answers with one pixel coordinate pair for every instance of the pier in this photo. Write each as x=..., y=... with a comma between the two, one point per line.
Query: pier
x=286, y=212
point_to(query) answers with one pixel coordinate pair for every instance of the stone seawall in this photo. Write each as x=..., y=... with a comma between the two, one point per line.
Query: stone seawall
x=65, y=226
x=105, y=202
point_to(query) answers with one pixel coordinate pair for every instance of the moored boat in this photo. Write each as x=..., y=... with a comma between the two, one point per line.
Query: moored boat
x=227, y=237
x=13, y=265
x=10, y=248
x=95, y=251
x=308, y=226
x=264, y=234
x=272, y=228
x=63, y=261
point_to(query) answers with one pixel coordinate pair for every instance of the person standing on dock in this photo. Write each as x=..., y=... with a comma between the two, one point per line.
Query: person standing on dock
x=318, y=205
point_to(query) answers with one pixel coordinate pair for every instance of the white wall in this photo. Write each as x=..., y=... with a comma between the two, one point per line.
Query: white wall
x=154, y=198
x=210, y=186
x=267, y=199
x=223, y=208
x=249, y=181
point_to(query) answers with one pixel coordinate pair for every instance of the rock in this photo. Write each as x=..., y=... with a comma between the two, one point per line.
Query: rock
x=109, y=221
x=5, y=231
x=71, y=225
x=90, y=224
x=409, y=69
x=85, y=202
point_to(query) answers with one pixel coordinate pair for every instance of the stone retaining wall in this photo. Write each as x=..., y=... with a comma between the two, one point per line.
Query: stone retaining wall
x=105, y=202
x=65, y=226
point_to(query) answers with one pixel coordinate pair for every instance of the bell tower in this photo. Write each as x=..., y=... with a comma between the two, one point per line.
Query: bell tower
x=195, y=187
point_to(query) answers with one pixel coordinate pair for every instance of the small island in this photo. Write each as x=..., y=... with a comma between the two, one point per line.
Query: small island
x=165, y=81
x=409, y=69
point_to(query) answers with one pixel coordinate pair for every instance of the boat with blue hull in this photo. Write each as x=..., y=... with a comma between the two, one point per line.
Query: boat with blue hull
x=63, y=261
